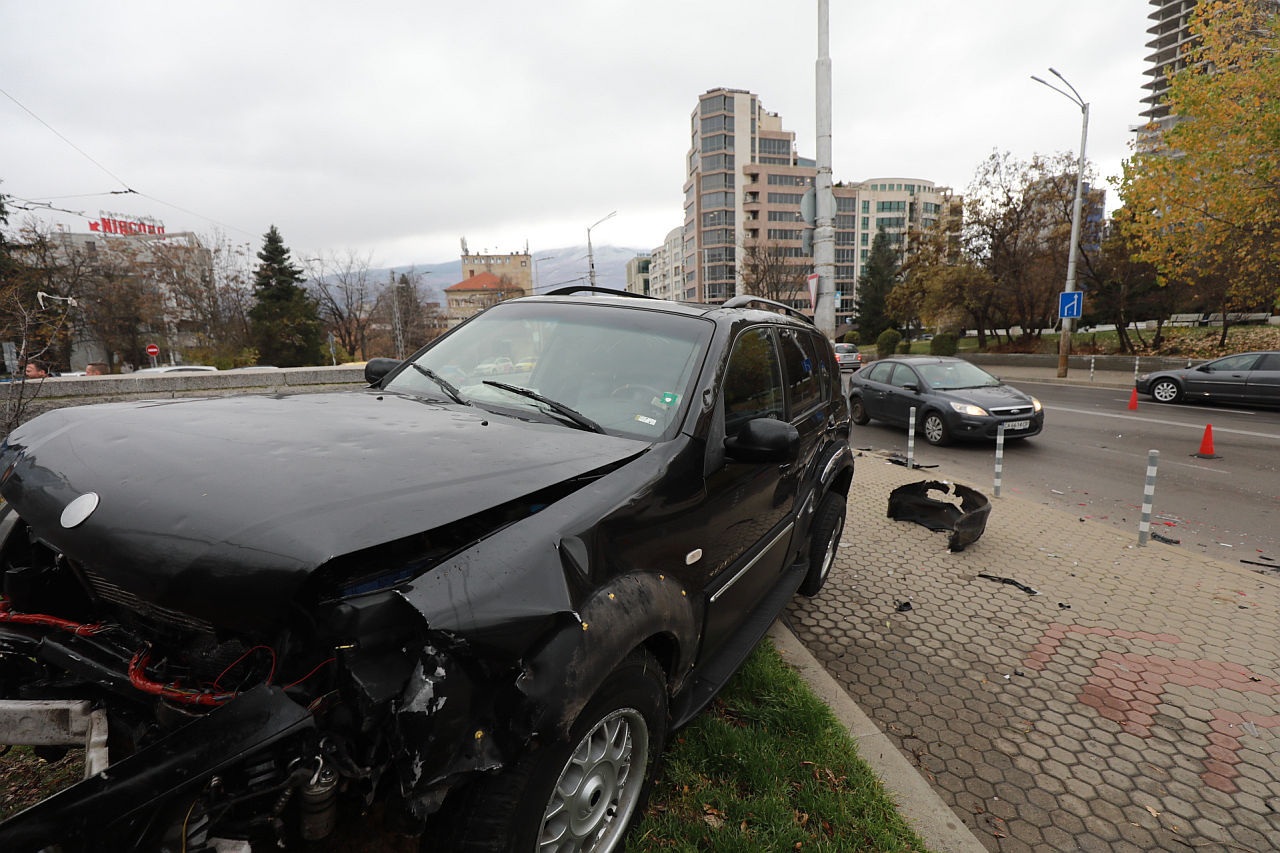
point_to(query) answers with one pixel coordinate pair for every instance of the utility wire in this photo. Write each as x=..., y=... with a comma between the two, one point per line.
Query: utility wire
x=128, y=190
x=118, y=179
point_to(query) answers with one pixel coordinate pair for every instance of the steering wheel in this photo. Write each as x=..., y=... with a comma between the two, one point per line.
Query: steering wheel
x=631, y=390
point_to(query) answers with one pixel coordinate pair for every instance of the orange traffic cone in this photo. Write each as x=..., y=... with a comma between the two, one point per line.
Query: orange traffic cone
x=1133, y=400
x=1206, y=444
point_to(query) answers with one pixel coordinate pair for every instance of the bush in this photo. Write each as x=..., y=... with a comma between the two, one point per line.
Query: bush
x=887, y=342
x=905, y=347
x=943, y=344
x=851, y=337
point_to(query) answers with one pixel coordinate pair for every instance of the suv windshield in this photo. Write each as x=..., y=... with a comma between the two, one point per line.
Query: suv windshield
x=950, y=375
x=626, y=369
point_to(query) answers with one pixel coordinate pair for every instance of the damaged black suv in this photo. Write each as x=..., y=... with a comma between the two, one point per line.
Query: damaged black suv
x=479, y=593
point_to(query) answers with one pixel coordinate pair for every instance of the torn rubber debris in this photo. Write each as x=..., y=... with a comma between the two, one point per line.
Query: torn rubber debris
x=903, y=606
x=967, y=521
x=1011, y=582
x=1165, y=539
x=899, y=459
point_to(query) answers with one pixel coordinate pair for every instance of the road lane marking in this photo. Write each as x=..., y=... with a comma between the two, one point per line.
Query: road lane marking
x=1200, y=427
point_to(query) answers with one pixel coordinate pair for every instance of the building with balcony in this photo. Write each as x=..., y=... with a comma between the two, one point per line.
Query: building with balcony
x=666, y=267
x=638, y=274
x=743, y=194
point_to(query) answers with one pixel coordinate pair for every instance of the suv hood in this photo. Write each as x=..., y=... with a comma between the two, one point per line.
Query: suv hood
x=212, y=505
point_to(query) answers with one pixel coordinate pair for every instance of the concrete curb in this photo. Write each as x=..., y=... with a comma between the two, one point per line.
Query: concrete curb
x=928, y=815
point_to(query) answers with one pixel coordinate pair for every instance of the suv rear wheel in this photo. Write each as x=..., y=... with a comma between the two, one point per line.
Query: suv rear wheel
x=824, y=539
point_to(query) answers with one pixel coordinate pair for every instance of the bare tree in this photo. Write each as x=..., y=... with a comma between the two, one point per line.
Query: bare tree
x=344, y=290
x=403, y=319
x=772, y=271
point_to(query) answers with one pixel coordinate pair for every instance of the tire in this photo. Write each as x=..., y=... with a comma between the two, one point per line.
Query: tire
x=525, y=808
x=858, y=412
x=1166, y=391
x=935, y=430
x=824, y=539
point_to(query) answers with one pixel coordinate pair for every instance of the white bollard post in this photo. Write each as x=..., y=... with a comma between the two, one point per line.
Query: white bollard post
x=1148, y=493
x=1135, y=370
x=999, y=456
x=911, y=440
x=1092, y=359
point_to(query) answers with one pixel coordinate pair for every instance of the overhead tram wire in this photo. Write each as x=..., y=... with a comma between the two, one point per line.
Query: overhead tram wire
x=128, y=190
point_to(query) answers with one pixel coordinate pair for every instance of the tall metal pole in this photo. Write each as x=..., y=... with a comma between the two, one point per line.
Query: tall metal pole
x=824, y=234
x=1064, y=341
x=591, y=258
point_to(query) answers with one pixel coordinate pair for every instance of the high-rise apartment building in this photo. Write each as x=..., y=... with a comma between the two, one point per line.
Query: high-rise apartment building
x=744, y=188
x=1170, y=38
x=638, y=274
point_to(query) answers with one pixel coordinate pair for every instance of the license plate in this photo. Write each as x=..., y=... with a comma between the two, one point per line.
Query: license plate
x=1017, y=425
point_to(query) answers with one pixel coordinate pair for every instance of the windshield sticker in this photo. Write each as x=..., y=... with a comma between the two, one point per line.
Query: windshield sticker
x=669, y=398
x=646, y=420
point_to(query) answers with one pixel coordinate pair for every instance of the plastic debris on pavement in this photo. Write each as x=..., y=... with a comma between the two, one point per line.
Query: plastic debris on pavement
x=966, y=521
x=1011, y=582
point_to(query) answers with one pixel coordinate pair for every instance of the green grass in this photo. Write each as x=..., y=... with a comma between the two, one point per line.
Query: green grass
x=26, y=779
x=767, y=768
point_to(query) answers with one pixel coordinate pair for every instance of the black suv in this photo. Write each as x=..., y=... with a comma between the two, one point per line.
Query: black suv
x=482, y=591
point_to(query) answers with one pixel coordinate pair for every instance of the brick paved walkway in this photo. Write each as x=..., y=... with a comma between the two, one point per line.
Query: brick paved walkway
x=1134, y=705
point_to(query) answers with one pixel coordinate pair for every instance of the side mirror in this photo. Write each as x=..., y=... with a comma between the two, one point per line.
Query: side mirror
x=376, y=368
x=912, y=387
x=764, y=440
x=1204, y=368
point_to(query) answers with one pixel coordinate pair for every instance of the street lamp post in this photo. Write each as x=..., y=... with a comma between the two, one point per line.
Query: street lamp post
x=591, y=258
x=1064, y=342
x=536, y=276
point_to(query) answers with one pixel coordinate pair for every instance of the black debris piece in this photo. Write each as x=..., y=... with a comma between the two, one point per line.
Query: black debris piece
x=1011, y=582
x=1063, y=606
x=899, y=459
x=967, y=521
x=902, y=606
x=1165, y=539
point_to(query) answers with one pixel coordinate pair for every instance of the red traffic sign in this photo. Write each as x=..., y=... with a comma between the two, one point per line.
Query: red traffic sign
x=153, y=350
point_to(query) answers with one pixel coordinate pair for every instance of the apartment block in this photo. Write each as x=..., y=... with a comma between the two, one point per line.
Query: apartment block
x=638, y=275
x=745, y=186
x=666, y=267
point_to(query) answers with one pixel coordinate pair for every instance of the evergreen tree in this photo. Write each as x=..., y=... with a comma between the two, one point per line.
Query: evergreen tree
x=879, y=275
x=285, y=321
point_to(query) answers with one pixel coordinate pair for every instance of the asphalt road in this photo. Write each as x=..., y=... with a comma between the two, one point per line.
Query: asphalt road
x=1091, y=460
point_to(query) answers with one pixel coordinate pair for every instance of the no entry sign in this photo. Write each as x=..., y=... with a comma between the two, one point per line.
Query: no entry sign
x=153, y=350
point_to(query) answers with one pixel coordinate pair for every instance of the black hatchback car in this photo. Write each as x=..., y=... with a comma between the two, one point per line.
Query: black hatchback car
x=481, y=591
x=953, y=399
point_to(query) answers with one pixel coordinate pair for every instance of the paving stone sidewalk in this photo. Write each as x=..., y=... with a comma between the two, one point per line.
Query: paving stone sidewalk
x=1133, y=705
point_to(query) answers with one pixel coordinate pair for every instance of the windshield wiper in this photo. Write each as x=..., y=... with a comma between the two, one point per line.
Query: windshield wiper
x=444, y=384
x=560, y=408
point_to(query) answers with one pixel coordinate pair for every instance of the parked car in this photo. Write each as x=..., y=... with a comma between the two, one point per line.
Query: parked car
x=1247, y=377
x=953, y=399
x=848, y=356
x=484, y=605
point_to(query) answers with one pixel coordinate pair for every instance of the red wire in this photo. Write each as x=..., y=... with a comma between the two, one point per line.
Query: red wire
x=309, y=674
x=233, y=664
x=7, y=615
x=138, y=678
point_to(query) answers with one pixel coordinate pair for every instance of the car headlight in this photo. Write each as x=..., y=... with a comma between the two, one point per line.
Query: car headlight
x=969, y=409
x=1035, y=404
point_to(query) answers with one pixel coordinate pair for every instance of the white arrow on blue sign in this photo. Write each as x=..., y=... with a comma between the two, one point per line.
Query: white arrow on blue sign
x=1070, y=303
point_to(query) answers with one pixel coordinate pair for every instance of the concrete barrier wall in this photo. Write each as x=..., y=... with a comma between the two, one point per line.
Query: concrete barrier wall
x=57, y=392
x=1146, y=364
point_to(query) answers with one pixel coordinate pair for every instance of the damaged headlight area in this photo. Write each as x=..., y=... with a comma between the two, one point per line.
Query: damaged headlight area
x=229, y=741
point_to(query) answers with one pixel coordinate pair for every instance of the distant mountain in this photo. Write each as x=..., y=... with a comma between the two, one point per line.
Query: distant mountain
x=562, y=267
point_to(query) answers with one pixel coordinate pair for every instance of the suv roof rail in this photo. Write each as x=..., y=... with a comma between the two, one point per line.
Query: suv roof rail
x=745, y=300
x=579, y=288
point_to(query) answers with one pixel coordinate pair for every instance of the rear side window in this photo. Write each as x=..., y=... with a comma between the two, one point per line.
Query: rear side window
x=753, y=381
x=880, y=372
x=1270, y=361
x=800, y=366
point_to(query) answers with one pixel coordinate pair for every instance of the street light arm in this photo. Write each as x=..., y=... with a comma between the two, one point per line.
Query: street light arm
x=1054, y=72
x=1078, y=101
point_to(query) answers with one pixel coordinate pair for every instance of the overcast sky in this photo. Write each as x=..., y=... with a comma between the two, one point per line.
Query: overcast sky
x=394, y=128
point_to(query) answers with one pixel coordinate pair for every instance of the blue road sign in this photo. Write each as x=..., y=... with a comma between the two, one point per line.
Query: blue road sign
x=1070, y=303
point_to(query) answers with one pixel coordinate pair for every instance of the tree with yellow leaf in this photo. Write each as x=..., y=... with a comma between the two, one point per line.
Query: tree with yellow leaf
x=1205, y=198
